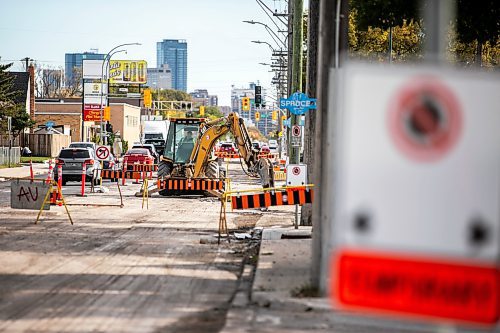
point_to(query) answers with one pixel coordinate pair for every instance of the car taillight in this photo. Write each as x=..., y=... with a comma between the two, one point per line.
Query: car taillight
x=89, y=162
x=59, y=162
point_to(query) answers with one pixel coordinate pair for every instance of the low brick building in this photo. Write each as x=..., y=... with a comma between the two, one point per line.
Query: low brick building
x=125, y=118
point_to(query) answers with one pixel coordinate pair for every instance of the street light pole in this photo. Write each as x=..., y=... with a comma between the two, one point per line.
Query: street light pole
x=106, y=59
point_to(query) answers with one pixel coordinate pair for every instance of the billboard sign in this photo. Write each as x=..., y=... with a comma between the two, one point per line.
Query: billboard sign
x=92, y=69
x=92, y=93
x=127, y=71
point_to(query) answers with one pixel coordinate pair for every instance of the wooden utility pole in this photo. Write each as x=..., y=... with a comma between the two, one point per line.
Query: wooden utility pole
x=332, y=49
x=310, y=123
x=297, y=55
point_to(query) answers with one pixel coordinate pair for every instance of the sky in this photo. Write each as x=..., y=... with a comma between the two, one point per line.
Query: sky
x=220, y=51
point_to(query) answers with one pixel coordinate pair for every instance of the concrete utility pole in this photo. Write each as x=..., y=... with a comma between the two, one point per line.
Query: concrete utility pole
x=332, y=48
x=310, y=123
x=296, y=67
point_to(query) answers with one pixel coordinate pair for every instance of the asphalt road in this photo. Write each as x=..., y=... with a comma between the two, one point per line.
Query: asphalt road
x=118, y=269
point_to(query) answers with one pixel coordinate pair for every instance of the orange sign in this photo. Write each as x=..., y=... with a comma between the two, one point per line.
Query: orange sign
x=421, y=286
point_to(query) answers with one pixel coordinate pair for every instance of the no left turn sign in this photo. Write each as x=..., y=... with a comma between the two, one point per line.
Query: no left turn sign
x=296, y=130
x=102, y=153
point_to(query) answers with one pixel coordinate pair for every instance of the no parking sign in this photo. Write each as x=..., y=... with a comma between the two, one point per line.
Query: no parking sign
x=417, y=195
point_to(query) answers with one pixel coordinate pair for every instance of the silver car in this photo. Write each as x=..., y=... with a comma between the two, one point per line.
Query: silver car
x=72, y=160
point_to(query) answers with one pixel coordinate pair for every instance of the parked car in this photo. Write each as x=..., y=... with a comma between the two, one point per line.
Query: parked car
x=150, y=147
x=91, y=145
x=72, y=159
x=227, y=147
x=256, y=145
x=273, y=146
x=137, y=156
x=265, y=149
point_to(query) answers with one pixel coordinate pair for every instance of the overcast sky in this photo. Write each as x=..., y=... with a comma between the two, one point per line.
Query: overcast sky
x=220, y=52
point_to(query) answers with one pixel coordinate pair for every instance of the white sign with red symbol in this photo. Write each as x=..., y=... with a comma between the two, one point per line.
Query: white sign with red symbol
x=296, y=135
x=102, y=152
x=296, y=175
x=416, y=193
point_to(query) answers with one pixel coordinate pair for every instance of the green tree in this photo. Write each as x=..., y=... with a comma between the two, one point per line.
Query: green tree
x=478, y=23
x=170, y=95
x=8, y=106
x=7, y=94
x=211, y=112
x=384, y=14
x=373, y=42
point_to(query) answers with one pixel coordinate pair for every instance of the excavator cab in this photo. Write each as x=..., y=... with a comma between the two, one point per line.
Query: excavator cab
x=181, y=139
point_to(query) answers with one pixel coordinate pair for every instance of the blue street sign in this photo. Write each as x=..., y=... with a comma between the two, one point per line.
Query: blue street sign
x=49, y=124
x=298, y=103
x=288, y=122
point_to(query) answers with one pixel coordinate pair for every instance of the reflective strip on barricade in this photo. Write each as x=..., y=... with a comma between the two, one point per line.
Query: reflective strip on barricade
x=119, y=174
x=193, y=184
x=226, y=155
x=144, y=167
x=297, y=196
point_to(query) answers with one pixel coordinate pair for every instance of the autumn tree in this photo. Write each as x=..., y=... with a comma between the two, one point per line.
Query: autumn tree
x=478, y=24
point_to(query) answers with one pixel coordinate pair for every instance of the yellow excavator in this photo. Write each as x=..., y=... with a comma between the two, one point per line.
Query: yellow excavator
x=189, y=150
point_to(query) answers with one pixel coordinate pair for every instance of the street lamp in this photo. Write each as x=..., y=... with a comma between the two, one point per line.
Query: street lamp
x=107, y=58
x=269, y=30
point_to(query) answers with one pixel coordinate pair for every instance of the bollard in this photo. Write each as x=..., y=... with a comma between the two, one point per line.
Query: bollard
x=84, y=172
x=31, y=170
x=51, y=170
x=123, y=173
x=59, y=181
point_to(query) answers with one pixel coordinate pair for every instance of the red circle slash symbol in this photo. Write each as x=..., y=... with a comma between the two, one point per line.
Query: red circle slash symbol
x=102, y=153
x=425, y=119
x=296, y=171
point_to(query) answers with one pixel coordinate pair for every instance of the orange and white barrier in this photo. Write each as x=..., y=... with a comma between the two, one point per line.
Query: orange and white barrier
x=279, y=197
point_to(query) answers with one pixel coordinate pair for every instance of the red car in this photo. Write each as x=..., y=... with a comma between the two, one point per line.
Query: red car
x=137, y=156
x=227, y=148
x=265, y=149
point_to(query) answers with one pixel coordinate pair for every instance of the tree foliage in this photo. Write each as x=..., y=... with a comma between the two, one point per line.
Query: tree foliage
x=373, y=43
x=384, y=13
x=8, y=106
x=7, y=94
x=170, y=95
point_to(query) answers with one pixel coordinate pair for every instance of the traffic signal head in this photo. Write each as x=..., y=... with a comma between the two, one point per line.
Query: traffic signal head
x=258, y=90
x=258, y=99
x=257, y=116
x=274, y=115
x=202, y=110
x=245, y=104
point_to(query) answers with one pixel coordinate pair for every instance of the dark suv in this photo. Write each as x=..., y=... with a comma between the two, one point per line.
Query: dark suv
x=72, y=160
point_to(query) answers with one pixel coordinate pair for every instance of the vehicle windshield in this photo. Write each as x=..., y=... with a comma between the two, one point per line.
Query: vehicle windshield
x=180, y=142
x=74, y=153
x=153, y=136
x=140, y=151
x=81, y=145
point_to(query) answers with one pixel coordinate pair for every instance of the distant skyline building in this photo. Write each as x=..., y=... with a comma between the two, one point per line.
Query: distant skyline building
x=160, y=78
x=173, y=52
x=74, y=61
x=201, y=97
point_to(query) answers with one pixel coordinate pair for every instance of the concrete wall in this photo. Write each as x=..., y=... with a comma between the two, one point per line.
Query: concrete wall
x=126, y=119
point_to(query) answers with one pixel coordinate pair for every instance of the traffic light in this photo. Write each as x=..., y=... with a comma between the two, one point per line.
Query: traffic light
x=147, y=98
x=258, y=95
x=245, y=104
x=257, y=116
x=274, y=115
x=202, y=110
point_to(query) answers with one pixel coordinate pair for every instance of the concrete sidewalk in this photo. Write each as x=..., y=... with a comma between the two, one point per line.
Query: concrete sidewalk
x=276, y=301
x=24, y=171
